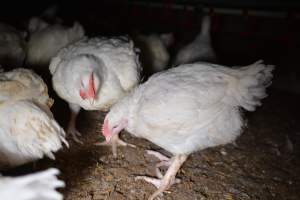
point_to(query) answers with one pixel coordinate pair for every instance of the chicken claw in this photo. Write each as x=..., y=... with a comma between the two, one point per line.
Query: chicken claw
x=163, y=183
x=115, y=141
x=75, y=134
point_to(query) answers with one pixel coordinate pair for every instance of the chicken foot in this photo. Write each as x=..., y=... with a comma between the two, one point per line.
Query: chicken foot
x=168, y=179
x=115, y=141
x=164, y=162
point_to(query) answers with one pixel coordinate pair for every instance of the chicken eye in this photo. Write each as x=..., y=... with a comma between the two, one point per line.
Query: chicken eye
x=114, y=127
x=81, y=83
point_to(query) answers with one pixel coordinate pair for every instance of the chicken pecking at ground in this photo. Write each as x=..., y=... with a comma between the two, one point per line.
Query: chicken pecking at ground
x=28, y=130
x=46, y=40
x=200, y=49
x=37, y=186
x=94, y=74
x=186, y=109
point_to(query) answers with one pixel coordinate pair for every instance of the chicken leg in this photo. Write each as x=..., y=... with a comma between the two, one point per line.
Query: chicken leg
x=114, y=142
x=168, y=179
x=72, y=123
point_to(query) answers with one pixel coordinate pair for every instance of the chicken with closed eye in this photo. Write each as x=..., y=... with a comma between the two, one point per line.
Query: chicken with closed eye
x=94, y=74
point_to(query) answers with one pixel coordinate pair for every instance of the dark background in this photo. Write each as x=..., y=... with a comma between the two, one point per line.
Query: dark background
x=238, y=34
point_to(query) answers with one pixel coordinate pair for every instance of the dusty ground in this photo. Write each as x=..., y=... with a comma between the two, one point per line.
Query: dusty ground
x=263, y=164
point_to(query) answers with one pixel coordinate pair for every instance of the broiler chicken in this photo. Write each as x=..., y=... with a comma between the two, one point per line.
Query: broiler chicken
x=199, y=49
x=12, y=46
x=154, y=51
x=47, y=40
x=188, y=108
x=94, y=74
x=36, y=186
x=49, y=15
x=28, y=130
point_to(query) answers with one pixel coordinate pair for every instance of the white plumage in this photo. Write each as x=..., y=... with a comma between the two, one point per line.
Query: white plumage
x=199, y=49
x=189, y=108
x=20, y=84
x=36, y=186
x=12, y=46
x=47, y=40
x=94, y=73
x=28, y=130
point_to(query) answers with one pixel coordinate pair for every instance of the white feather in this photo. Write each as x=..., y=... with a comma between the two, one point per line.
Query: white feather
x=28, y=130
x=29, y=133
x=21, y=84
x=48, y=40
x=36, y=186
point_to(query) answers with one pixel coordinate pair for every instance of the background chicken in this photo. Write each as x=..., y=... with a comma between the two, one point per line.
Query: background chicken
x=94, y=74
x=154, y=51
x=48, y=40
x=12, y=46
x=36, y=186
x=199, y=49
x=47, y=17
x=188, y=108
x=28, y=130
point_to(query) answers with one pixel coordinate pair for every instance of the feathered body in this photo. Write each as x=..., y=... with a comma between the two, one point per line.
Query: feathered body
x=94, y=74
x=47, y=40
x=28, y=130
x=36, y=186
x=200, y=49
x=193, y=106
x=113, y=61
x=188, y=108
x=21, y=84
x=12, y=46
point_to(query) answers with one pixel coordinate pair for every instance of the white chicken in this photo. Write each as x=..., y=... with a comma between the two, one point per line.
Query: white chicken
x=22, y=84
x=12, y=46
x=188, y=108
x=94, y=74
x=154, y=51
x=36, y=24
x=37, y=186
x=199, y=49
x=28, y=130
x=49, y=15
x=48, y=40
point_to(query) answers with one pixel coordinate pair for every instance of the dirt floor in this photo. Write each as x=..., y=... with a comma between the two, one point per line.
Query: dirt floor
x=262, y=164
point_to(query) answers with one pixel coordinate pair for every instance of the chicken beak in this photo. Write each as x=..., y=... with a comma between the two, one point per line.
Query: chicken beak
x=91, y=101
x=108, y=138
